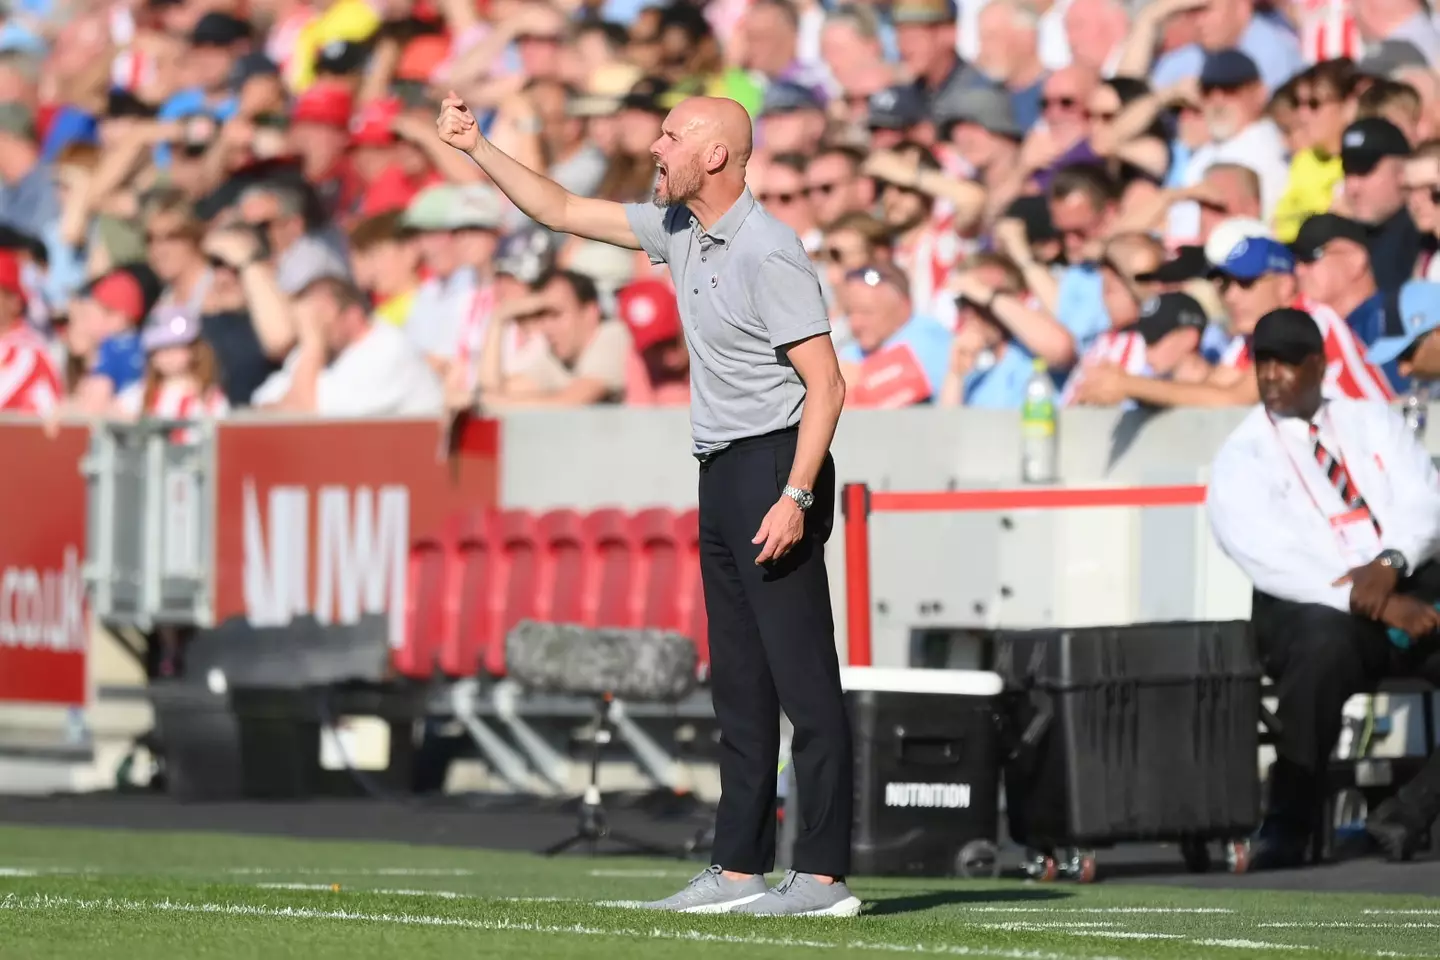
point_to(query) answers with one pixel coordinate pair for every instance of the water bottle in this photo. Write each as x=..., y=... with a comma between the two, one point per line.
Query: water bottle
x=77, y=734
x=1417, y=405
x=1039, y=442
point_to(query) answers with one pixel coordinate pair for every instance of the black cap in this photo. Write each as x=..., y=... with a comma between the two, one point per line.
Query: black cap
x=1189, y=263
x=784, y=96
x=219, y=30
x=1287, y=335
x=341, y=57
x=896, y=108
x=1321, y=229
x=1167, y=313
x=249, y=66
x=1368, y=141
x=1227, y=69
x=647, y=95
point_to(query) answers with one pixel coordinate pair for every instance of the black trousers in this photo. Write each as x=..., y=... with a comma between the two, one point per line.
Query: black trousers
x=772, y=646
x=1319, y=657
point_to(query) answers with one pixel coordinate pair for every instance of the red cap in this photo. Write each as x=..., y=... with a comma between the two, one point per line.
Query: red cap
x=390, y=190
x=10, y=273
x=120, y=291
x=422, y=57
x=371, y=126
x=326, y=104
x=649, y=309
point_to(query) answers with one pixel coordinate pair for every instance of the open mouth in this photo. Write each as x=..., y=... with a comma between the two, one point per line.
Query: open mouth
x=661, y=177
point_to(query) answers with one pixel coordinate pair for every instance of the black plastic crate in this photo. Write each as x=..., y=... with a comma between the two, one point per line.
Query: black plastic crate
x=1147, y=732
x=927, y=769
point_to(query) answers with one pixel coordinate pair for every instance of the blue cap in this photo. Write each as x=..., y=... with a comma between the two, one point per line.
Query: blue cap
x=1228, y=69
x=1254, y=257
x=783, y=96
x=1419, y=314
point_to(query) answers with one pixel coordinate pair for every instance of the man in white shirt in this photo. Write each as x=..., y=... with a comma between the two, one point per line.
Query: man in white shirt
x=345, y=364
x=1332, y=509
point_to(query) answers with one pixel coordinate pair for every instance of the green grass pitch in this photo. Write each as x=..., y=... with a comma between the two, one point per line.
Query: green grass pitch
x=148, y=896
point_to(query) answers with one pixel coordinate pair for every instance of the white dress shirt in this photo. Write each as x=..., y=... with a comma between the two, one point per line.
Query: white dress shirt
x=1270, y=503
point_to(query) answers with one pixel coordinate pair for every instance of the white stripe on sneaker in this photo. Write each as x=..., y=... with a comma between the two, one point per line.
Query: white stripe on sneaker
x=725, y=907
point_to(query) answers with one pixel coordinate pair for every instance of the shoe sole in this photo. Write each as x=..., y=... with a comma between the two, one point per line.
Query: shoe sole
x=849, y=907
x=725, y=907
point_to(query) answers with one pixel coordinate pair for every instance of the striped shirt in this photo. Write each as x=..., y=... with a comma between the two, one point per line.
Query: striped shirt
x=29, y=380
x=1121, y=348
x=1347, y=373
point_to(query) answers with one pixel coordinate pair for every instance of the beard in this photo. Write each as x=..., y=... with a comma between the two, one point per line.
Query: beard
x=678, y=184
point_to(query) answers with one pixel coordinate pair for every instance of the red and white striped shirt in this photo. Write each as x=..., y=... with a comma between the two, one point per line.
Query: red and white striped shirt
x=1347, y=373
x=928, y=259
x=29, y=380
x=1328, y=30
x=1122, y=348
x=471, y=342
x=175, y=400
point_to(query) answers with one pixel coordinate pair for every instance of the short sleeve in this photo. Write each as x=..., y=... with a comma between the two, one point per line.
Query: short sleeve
x=1080, y=307
x=787, y=297
x=647, y=221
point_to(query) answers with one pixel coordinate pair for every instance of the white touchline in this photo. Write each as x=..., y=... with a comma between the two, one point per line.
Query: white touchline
x=305, y=913
x=1250, y=945
x=1072, y=910
x=1402, y=913
x=1353, y=925
x=351, y=871
x=639, y=874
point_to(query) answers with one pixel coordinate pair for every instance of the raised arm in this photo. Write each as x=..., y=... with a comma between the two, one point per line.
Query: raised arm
x=538, y=197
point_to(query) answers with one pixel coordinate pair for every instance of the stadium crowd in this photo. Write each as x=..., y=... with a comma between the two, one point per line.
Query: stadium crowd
x=213, y=204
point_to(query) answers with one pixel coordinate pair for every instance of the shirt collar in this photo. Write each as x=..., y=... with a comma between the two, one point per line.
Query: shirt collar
x=1375, y=302
x=725, y=228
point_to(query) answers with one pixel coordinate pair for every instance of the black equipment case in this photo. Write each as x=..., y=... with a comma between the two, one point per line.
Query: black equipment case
x=927, y=770
x=1146, y=732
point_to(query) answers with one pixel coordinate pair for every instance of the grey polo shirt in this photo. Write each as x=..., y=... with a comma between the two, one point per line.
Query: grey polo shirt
x=746, y=289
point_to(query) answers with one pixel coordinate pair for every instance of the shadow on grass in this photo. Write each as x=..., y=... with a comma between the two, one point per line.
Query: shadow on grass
x=915, y=902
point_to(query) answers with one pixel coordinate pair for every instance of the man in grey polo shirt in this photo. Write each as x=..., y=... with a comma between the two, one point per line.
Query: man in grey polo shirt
x=766, y=392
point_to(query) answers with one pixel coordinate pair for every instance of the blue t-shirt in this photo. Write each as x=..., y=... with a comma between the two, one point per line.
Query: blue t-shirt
x=121, y=359
x=1026, y=104
x=1001, y=384
x=927, y=339
x=1080, y=306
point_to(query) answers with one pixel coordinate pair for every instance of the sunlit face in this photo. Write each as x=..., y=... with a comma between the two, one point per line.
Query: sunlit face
x=1422, y=189
x=1246, y=301
x=173, y=361
x=680, y=156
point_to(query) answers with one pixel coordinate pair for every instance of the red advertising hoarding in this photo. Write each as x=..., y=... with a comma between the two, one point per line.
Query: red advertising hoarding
x=316, y=518
x=44, y=630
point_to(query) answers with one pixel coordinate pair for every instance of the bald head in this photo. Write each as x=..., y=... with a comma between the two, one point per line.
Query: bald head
x=704, y=145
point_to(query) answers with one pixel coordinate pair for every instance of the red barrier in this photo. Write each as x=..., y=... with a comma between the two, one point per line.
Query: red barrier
x=858, y=501
x=318, y=517
x=44, y=629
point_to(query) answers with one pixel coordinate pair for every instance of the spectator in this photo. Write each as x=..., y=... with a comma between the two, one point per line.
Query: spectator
x=657, y=372
x=118, y=309
x=277, y=212
x=346, y=364
x=586, y=359
x=249, y=347
x=989, y=368
x=1126, y=256
x=446, y=296
x=925, y=34
x=29, y=380
x=182, y=376
x=925, y=246
x=781, y=190
x=387, y=266
x=835, y=186
x=1094, y=33
x=1373, y=154
x=1421, y=180
x=1010, y=57
x=897, y=358
x=792, y=119
x=896, y=116
x=1407, y=20
x=1397, y=102
x=570, y=158
x=1224, y=25
x=1172, y=325
x=28, y=198
x=1233, y=100
x=1323, y=97
x=979, y=125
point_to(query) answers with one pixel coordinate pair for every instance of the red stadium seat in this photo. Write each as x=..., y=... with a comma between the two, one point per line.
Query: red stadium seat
x=610, y=571
x=691, y=594
x=564, y=561
x=515, y=593
x=416, y=654
x=475, y=565
x=655, y=599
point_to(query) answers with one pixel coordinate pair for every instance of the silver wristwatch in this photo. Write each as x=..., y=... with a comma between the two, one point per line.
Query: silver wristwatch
x=1395, y=560
x=804, y=499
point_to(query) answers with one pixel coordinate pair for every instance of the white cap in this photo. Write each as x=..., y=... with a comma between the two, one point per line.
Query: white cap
x=1230, y=232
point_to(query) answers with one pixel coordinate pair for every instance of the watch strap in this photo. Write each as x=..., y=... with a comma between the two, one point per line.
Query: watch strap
x=804, y=499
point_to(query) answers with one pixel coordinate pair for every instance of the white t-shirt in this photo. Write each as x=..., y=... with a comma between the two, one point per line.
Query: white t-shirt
x=382, y=374
x=1261, y=148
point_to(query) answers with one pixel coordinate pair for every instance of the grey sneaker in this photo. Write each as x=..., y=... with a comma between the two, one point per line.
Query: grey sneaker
x=711, y=892
x=801, y=895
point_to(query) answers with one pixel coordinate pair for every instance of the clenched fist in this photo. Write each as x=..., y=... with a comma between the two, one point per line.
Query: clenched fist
x=456, y=124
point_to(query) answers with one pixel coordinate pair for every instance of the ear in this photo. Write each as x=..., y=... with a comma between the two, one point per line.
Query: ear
x=716, y=157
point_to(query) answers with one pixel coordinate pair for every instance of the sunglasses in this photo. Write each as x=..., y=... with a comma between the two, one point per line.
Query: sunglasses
x=1312, y=103
x=835, y=255
x=1064, y=103
x=1244, y=283
x=1433, y=188
x=781, y=199
x=822, y=189
x=1101, y=116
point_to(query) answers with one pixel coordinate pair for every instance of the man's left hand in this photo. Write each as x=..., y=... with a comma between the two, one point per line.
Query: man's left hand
x=1370, y=586
x=780, y=530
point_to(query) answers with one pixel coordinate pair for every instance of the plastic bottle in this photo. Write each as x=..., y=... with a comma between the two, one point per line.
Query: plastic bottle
x=1417, y=406
x=1039, y=441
